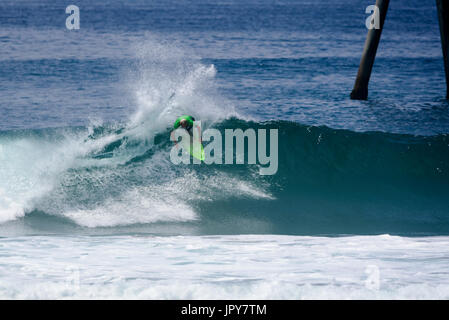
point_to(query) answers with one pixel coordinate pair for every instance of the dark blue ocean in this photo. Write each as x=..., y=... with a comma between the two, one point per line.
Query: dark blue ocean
x=92, y=207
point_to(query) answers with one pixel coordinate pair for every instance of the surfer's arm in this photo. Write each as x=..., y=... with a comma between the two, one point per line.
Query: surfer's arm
x=199, y=133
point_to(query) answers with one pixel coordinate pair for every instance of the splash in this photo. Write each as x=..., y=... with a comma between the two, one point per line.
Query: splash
x=169, y=81
x=115, y=174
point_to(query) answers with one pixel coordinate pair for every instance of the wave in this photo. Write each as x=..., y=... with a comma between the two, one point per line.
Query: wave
x=328, y=182
x=119, y=175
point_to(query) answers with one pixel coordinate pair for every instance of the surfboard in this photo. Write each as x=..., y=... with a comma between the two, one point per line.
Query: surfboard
x=198, y=154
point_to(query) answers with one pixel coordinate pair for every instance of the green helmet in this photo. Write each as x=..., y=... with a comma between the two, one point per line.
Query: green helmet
x=189, y=120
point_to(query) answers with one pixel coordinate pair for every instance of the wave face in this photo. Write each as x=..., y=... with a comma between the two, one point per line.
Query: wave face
x=329, y=182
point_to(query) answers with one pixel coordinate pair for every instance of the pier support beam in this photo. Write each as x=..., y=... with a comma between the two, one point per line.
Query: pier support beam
x=360, y=91
x=443, y=18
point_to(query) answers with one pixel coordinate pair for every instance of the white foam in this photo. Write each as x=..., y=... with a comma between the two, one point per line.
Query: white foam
x=26, y=165
x=164, y=202
x=9, y=209
x=223, y=267
x=31, y=166
x=136, y=206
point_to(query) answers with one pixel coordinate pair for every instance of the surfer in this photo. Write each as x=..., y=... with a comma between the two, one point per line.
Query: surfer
x=185, y=122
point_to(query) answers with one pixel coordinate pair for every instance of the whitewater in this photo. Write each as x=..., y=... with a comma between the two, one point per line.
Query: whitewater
x=224, y=267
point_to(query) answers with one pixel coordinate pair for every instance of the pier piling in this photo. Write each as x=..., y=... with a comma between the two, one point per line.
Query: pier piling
x=360, y=91
x=443, y=18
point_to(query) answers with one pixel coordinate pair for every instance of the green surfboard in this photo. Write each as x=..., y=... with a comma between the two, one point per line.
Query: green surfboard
x=198, y=154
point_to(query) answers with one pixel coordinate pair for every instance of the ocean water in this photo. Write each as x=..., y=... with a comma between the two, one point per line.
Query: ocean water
x=92, y=207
